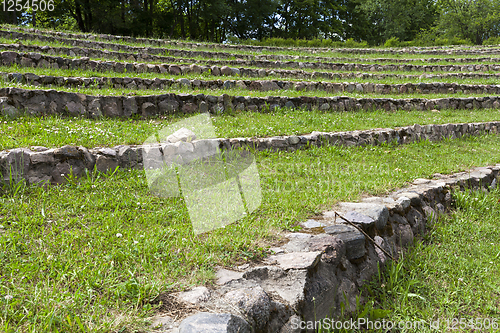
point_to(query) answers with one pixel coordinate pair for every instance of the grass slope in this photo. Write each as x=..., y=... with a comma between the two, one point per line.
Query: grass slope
x=47, y=131
x=91, y=255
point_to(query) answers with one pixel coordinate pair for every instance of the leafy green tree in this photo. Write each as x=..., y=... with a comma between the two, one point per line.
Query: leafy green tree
x=307, y=19
x=252, y=18
x=402, y=19
x=475, y=20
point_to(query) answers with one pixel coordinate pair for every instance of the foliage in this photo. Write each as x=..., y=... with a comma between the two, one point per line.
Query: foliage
x=310, y=23
x=473, y=20
x=492, y=41
x=392, y=42
x=291, y=42
x=388, y=21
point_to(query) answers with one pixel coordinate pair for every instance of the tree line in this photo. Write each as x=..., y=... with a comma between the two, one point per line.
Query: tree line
x=374, y=21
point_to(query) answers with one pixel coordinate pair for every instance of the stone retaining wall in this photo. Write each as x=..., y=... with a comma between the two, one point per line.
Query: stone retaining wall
x=86, y=43
x=31, y=59
x=53, y=165
x=85, y=52
x=436, y=50
x=322, y=267
x=14, y=101
x=258, y=85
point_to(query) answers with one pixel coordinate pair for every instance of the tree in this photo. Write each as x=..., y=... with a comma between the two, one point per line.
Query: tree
x=475, y=20
x=403, y=19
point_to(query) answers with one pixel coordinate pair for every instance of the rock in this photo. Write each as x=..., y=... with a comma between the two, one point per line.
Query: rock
x=404, y=202
x=129, y=106
x=228, y=85
x=203, y=107
x=297, y=260
x=379, y=213
x=361, y=219
x=8, y=110
x=403, y=234
x=205, y=322
x=106, y=163
x=162, y=322
x=129, y=157
x=45, y=157
x=110, y=109
x=195, y=69
x=355, y=244
x=8, y=58
x=269, y=86
x=168, y=106
x=174, y=70
x=224, y=276
x=225, y=70
x=381, y=255
x=293, y=139
x=195, y=296
x=182, y=134
x=430, y=214
x=189, y=108
x=416, y=220
x=74, y=109
x=148, y=109
x=108, y=152
x=95, y=108
x=398, y=219
x=215, y=70
x=253, y=302
x=68, y=152
x=206, y=148
x=324, y=107
x=414, y=198
x=292, y=325
x=333, y=248
x=39, y=149
x=15, y=163
x=339, y=229
x=310, y=224
x=184, y=82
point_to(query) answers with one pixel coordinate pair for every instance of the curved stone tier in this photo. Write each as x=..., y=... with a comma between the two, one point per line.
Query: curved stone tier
x=88, y=43
x=42, y=165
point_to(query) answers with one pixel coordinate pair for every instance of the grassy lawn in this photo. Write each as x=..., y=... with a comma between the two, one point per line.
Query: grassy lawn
x=450, y=278
x=47, y=131
x=92, y=255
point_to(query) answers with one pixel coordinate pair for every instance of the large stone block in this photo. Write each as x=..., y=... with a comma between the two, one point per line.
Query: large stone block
x=205, y=322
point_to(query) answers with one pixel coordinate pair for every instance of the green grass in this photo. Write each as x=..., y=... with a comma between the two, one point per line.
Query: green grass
x=452, y=274
x=92, y=255
x=54, y=131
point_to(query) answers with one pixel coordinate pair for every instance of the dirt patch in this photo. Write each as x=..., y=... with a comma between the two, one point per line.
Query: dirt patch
x=170, y=306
